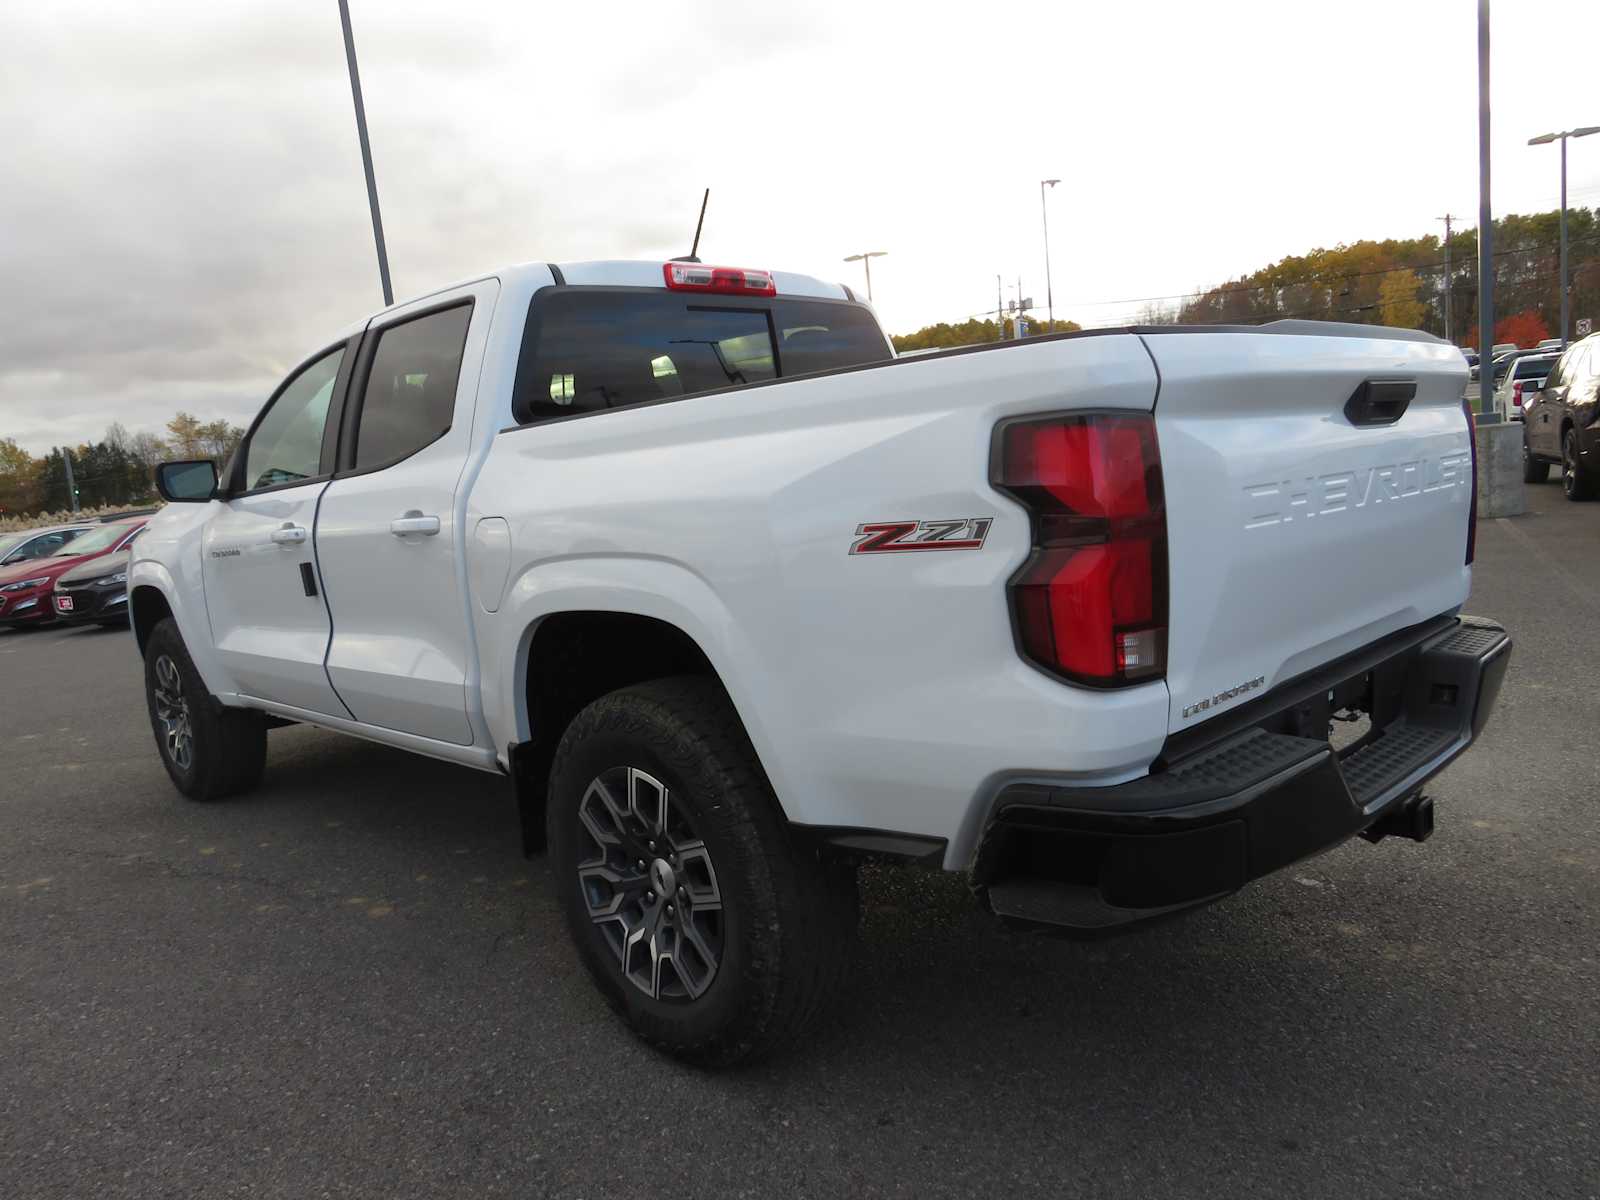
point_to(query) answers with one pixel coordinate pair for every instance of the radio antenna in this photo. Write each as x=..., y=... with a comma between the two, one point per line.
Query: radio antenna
x=694, y=251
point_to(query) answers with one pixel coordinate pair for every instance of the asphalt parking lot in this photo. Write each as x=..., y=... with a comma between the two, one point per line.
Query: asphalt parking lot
x=351, y=983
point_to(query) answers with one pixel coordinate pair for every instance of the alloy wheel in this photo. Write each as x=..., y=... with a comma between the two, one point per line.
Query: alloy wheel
x=172, y=711
x=649, y=885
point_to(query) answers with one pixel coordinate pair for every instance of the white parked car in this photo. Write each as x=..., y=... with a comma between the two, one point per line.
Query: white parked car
x=740, y=599
x=1521, y=384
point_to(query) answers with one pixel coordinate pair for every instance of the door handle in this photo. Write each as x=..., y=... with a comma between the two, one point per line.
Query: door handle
x=414, y=522
x=289, y=535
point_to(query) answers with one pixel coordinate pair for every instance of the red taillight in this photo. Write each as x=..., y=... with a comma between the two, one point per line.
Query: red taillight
x=1472, y=509
x=1091, y=602
x=727, y=281
x=1516, y=394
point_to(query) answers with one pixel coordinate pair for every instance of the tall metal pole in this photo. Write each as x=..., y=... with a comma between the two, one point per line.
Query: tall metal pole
x=1449, y=279
x=1564, y=325
x=999, y=309
x=1485, y=209
x=72, y=487
x=865, y=259
x=1049, y=292
x=366, y=152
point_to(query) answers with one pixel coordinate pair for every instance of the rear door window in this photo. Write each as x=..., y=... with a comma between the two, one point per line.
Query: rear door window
x=586, y=351
x=410, y=395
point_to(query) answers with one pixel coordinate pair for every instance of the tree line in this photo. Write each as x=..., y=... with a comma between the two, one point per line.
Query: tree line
x=971, y=332
x=1397, y=281
x=1404, y=282
x=119, y=469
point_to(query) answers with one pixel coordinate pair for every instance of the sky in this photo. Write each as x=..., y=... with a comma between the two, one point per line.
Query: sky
x=183, y=216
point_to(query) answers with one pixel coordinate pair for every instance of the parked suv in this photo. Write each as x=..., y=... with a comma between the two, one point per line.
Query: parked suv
x=1562, y=424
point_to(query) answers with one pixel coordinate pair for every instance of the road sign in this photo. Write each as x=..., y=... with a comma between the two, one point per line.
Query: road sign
x=1585, y=326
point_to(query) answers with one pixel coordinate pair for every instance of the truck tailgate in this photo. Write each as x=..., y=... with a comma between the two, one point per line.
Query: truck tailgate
x=1296, y=535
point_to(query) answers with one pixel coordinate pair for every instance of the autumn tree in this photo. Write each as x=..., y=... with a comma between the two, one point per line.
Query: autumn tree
x=1397, y=300
x=19, y=479
x=185, y=436
x=1526, y=329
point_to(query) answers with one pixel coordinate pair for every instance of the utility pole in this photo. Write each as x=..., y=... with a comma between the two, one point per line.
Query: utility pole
x=999, y=308
x=1565, y=325
x=1541, y=140
x=72, y=487
x=366, y=152
x=1485, y=208
x=1449, y=279
x=1049, y=292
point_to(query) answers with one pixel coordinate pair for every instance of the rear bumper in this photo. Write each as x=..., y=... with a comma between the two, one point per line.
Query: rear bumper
x=1262, y=796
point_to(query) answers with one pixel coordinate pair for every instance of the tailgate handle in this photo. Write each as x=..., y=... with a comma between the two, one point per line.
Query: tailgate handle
x=1380, y=401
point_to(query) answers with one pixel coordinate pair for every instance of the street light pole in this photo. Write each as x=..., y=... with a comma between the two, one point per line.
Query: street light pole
x=366, y=152
x=1485, y=208
x=1543, y=139
x=1448, y=277
x=866, y=260
x=1044, y=211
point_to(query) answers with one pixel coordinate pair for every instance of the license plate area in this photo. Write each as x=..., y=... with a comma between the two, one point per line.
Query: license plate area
x=63, y=603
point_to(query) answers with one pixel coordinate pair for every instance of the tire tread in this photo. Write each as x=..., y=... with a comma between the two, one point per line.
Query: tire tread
x=813, y=903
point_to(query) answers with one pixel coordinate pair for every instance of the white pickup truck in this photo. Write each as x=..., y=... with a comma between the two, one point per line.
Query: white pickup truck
x=739, y=599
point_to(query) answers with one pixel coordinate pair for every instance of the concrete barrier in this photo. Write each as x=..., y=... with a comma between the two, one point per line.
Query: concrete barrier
x=1500, y=487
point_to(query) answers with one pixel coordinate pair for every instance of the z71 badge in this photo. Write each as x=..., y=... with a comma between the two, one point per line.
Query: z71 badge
x=893, y=537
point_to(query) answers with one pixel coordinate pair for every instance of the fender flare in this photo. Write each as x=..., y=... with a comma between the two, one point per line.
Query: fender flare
x=637, y=585
x=195, y=629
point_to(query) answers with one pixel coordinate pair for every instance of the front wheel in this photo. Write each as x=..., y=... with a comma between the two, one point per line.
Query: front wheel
x=1577, y=480
x=209, y=751
x=714, y=934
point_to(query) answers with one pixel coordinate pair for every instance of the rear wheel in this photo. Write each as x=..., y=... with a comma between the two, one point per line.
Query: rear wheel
x=1534, y=470
x=208, y=750
x=1577, y=480
x=704, y=926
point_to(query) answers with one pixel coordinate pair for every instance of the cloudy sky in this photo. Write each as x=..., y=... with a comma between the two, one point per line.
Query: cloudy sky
x=183, y=217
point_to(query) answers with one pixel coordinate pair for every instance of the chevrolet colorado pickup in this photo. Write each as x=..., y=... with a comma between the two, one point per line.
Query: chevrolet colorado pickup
x=738, y=599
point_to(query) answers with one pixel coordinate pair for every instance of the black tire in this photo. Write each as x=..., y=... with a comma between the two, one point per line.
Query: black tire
x=1534, y=470
x=1577, y=480
x=784, y=918
x=226, y=748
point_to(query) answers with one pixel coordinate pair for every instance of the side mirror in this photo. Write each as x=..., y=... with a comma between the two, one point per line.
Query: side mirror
x=187, y=482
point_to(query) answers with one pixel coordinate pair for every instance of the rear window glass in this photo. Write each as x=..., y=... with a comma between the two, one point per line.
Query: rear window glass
x=1532, y=368
x=410, y=398
x=587, y=351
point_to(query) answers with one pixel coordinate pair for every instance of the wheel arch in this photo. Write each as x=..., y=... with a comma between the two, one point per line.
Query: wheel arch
x=147, y=608
x=569, y=658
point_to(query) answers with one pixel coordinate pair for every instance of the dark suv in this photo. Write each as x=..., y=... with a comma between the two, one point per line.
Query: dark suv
x=1562, y=424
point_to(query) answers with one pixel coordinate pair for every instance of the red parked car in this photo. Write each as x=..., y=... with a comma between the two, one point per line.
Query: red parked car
x=25, y=587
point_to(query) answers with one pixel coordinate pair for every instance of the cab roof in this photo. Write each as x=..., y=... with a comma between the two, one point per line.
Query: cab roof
x=609, y=272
